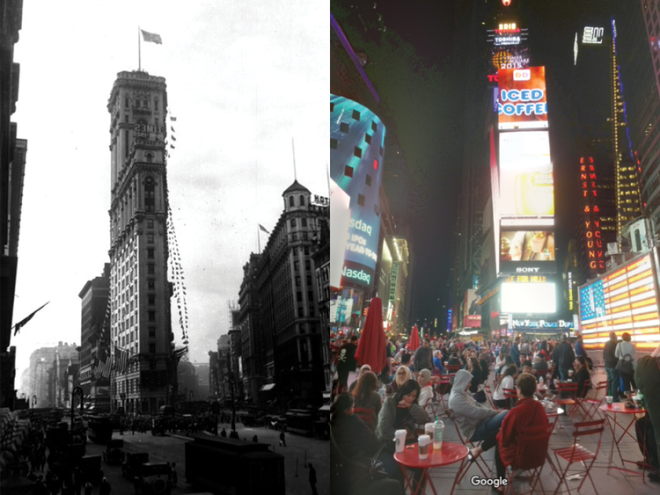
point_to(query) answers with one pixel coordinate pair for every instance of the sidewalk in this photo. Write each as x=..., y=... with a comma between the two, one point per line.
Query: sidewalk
x=615, y=483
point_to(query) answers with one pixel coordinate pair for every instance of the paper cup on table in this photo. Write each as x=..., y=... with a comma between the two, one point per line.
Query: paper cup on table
x=570, y=372
x=609, y=400
x=400, y=439
x=428, y=429
x=636, y=401
x=570, y=380
x=424, y=442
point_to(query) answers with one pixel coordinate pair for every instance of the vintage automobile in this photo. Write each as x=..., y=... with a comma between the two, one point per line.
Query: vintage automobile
x=132, y=464
x=154, y=477
x=113, y=453
x=91, y=469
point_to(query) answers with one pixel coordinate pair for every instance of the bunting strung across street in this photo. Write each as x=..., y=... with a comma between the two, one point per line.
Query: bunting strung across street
x=180, y=291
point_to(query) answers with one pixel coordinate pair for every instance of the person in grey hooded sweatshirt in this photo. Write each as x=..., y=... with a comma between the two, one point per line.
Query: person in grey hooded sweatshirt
x=475, y=421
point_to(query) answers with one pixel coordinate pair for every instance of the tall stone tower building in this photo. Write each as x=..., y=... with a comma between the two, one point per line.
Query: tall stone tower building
x=139, y=289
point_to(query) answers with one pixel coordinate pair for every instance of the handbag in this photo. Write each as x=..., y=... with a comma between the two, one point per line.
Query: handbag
x=625, y=365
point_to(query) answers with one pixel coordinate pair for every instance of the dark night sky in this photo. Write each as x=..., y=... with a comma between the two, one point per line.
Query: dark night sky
x=432, y=28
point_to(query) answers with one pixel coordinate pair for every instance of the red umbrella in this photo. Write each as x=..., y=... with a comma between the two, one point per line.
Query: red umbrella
x=413, y=343
x=371, y=347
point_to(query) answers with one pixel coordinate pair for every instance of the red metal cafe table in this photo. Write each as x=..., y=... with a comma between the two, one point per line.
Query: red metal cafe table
x=611, y=413
x=450, y=453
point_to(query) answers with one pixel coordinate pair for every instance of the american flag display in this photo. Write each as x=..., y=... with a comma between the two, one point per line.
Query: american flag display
x=622, y=301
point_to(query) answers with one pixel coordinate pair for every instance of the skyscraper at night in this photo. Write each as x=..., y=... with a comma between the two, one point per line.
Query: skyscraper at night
x=139, y=288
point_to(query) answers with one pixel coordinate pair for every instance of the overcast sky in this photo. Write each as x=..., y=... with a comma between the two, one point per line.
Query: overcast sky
x=243, y=79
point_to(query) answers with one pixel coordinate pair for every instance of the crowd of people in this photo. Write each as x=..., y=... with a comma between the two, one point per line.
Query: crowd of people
x=370, y=404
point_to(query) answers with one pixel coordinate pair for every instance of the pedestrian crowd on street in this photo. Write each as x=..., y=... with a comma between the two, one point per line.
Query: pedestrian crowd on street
x=371, y=404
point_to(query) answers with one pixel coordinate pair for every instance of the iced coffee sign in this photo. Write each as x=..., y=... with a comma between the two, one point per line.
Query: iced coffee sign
x=522, y=99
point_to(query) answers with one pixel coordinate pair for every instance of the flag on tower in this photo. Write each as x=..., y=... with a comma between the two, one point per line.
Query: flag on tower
x=261, y=227
x=173, y=119
x=151, y=37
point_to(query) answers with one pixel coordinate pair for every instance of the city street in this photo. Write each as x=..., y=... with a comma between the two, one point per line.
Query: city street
x=171, y=448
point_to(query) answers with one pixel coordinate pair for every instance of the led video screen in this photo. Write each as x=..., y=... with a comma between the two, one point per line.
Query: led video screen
x=519, y=298
x=526, y=179
x=357, y=137
x=523, y=101
x=622, y=301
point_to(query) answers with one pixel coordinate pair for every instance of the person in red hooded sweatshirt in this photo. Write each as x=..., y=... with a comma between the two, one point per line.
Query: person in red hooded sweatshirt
x=527, y=413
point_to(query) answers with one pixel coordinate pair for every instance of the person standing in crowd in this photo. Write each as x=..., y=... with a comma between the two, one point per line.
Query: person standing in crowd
x=564, y=357
x=579, y=347
x=610, y=366
x=625, y=352
x=515, y=352
x=647, y=378
x=346, y=363
x=312, y=479
x=424, y=356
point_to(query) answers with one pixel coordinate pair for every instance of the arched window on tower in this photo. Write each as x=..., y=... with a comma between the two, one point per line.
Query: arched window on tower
x=149, y=195
x=292, y=201
x=302, y=200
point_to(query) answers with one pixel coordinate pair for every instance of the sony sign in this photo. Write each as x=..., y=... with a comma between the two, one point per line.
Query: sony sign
x=527, y=270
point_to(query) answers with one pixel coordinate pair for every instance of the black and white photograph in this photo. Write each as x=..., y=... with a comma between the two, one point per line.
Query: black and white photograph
x=166, y=240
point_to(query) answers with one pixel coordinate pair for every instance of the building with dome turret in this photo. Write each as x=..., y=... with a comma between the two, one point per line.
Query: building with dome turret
x=281, y=331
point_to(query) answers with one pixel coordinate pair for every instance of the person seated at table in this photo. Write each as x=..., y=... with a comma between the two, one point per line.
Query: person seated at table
x=401, y=376
x=357, y=442
x=406, y=360
x=526, y=367
x=475, y=369
x=507, y=381
x=525, y=414
x=582, y=375
x=364, y=369
x=366, y=396
x=438, y=368
x=475, y=421
x=540, y=364
x=401, y=412
x=484, y=364
x=500, y=371
x=453, y=360
x=426, y=390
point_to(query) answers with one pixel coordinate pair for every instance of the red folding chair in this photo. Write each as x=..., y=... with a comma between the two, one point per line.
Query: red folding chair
x=531, y=453
x=511, y=396
x=453, y=368
x=576, y=453
x=566, y=395
x=489, y=396
x=479, y=462
x=367, y=415
x=443, y=387
x=590, y=406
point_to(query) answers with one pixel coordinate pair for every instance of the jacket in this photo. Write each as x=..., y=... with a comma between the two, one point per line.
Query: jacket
x=623, y=348
x=385, y=429
x=467, y=412
x=515, y=354
x=608, y=354
x=564, y=356
x=423, y=359
x=526, y=413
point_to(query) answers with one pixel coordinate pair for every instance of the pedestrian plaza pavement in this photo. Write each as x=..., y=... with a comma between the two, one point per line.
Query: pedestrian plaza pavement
x=614, y=483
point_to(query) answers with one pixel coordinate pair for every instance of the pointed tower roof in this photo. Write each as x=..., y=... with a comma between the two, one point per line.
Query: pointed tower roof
x=296, y=186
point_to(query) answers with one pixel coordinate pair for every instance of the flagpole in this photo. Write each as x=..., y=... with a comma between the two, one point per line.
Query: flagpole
x=139, y=51
x=295, y=174
x=258, y=240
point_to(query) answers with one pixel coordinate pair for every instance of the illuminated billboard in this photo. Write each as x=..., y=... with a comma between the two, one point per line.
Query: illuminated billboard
x=471, y=310
x=624, y=300
x=508, y=48
x=357, y=137
x=529, y=298
x=522, y=100
x=526, y=180
x=593, y=35
x=340, y=216
x=524, y=251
